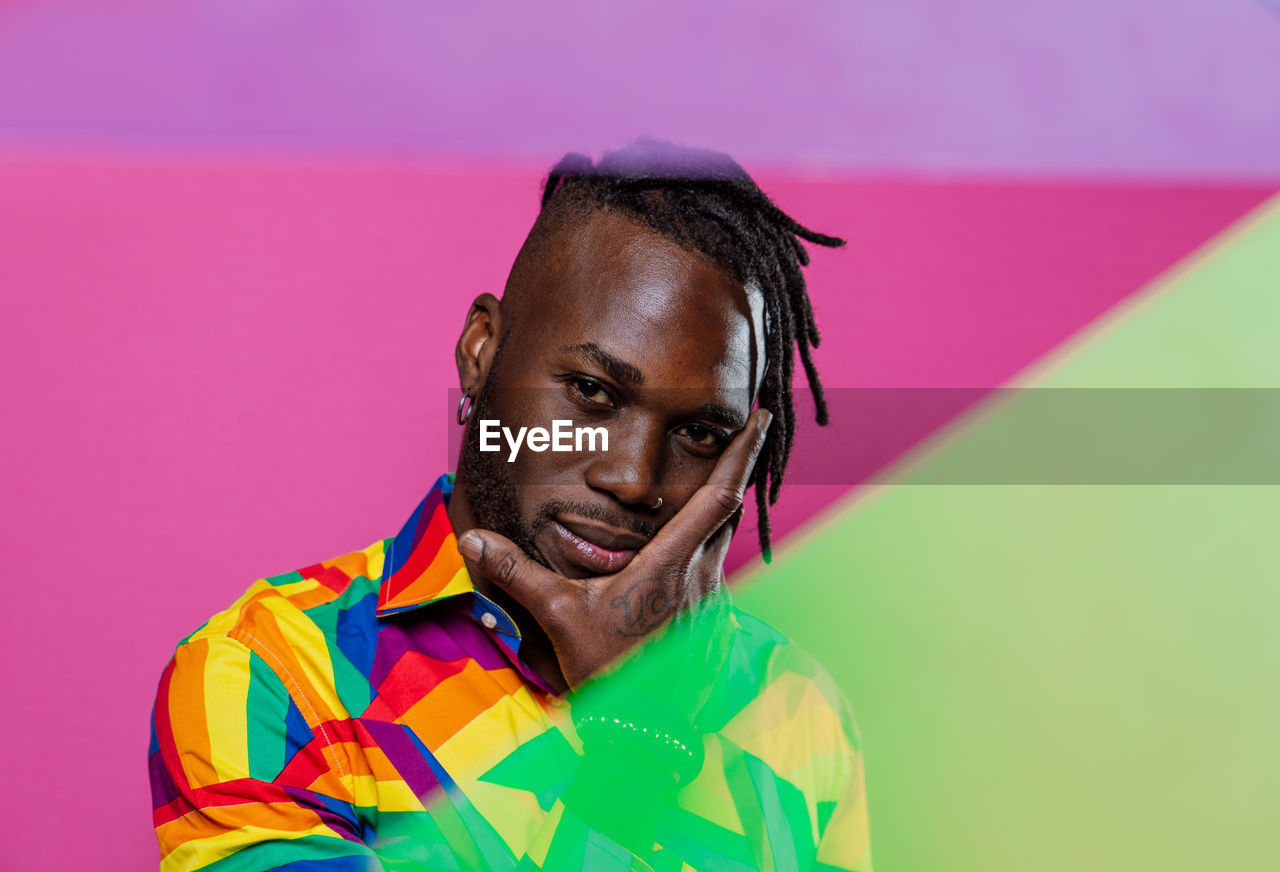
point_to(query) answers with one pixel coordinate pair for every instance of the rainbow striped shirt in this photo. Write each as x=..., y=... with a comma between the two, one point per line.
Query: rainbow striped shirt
x=371, y=713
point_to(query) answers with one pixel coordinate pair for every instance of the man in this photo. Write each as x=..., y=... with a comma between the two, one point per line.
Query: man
x=542, y=669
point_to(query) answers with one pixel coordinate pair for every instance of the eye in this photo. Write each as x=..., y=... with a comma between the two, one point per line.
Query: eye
x=703, y=438
x=591, y=391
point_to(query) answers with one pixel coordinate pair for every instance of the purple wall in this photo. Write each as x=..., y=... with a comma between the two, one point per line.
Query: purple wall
x=990, y=86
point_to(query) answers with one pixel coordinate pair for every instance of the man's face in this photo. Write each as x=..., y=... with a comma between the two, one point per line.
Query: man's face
x=617, y=328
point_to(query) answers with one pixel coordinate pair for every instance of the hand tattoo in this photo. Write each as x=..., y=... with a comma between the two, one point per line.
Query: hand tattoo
x=645, y=605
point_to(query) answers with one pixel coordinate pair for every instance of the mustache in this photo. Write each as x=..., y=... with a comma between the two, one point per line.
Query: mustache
x=593, y=512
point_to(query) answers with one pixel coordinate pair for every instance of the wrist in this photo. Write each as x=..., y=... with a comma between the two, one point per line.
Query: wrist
x=668, y=747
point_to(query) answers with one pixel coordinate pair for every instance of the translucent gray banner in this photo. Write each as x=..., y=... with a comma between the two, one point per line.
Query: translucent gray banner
x=944, y=436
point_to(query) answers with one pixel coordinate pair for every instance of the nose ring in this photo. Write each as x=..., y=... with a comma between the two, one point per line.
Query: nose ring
x=658, y=506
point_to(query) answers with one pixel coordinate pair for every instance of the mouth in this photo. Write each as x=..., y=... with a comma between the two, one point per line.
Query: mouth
x=597, y=548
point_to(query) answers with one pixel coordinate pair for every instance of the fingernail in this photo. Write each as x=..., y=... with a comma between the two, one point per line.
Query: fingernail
x=471, y=546
x=764, y=421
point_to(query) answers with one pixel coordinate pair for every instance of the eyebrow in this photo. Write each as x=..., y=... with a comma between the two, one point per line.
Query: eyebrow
x=723, y=415
x=614, y=367
x=620, y=370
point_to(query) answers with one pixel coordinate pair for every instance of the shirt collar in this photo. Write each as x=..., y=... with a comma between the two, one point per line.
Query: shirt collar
x=422, y=564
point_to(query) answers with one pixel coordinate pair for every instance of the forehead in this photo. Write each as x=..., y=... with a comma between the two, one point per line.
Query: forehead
x=613, y=282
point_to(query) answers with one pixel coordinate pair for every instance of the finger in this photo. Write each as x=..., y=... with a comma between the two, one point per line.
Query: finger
x=721, y=496
x=716, y=549
x=717, y=544
x=503, y=562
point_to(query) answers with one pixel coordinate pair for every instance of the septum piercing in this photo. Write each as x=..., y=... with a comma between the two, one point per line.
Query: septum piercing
x=654, y=508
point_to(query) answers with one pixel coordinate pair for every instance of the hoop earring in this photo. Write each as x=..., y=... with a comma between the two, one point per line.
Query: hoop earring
x=463, y=416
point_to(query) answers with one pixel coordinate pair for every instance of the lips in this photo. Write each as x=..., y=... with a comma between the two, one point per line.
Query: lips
x=599, y=549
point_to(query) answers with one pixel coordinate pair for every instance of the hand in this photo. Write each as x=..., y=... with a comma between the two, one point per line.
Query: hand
x=592, y=621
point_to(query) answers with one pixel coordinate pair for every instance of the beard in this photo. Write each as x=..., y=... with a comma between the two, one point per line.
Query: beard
x=487, y=483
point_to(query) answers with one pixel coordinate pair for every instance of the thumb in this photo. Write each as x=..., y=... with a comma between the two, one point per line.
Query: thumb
x=501, y=561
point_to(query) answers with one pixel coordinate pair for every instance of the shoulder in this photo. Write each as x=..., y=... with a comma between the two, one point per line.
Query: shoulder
x=782, y=695
x=282, y=606
x=300, y=625
x=786, y=711
x=773, y=661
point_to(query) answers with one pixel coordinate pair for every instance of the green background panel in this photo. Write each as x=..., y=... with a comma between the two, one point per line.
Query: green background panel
x=1068, y=677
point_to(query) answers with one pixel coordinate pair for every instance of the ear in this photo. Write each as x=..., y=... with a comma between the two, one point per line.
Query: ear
x=478, y=342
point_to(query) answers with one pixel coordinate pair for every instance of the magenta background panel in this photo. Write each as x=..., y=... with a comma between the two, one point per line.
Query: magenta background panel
x=215, y=371
x=1090, y=87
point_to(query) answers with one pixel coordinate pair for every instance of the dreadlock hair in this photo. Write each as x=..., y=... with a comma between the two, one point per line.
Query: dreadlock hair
x=705, y=202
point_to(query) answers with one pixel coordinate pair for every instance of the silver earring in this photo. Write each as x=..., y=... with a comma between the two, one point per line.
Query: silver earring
x=658, y=506
x=463, y=416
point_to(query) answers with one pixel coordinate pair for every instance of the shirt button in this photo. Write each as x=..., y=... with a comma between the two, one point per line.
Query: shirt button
x=489, y=620
x=556, y=701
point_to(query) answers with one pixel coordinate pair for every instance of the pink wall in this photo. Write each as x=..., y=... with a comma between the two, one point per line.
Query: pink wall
x=218, y=371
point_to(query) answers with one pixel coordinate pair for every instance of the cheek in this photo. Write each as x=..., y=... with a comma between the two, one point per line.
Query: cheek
x=683, y=475
x=540, y=408
x=540, y=471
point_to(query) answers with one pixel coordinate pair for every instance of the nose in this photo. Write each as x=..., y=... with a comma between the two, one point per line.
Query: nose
x=630, y=471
